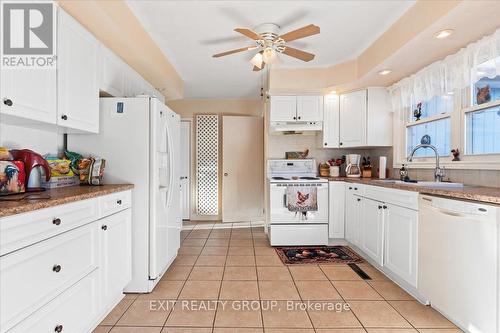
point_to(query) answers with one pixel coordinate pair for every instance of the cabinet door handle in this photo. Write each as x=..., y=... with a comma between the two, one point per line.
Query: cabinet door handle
x=384, y=207
x=56, y=221
x=326, y=144
x=64, y=117
x=104, y=227
x=294, y=118
x=119, y=201
x=379, y=207
x=58, y=328
x=299, y=118
x=7, y=102
x=341, y=143
x=355, y=189
x=350, y=188
x=359, y=199
x=56, y=268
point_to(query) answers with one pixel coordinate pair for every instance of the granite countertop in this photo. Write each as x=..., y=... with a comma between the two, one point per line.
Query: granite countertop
x=474, y=193
x=54, y=197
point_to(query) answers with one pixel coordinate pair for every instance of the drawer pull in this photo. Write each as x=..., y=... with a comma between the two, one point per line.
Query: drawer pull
x=7, y=102
x=350, y=188
x=58, y=328
x=379, y=207
x=104, y=227
x=355, y=189
x=56, y=268
x=384, y=207
x=119, y=201
x=56, y=221
x=359, y=199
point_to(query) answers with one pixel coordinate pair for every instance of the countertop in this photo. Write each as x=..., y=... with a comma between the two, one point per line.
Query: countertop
x=57, y=196
x=474, y=193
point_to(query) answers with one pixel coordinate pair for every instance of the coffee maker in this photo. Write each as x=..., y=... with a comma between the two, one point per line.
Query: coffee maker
x=352, y=169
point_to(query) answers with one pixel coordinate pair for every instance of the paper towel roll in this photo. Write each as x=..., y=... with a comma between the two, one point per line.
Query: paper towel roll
x=382, y=167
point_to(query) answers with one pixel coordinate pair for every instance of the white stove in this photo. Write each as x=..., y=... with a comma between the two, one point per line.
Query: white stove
x=289, y=223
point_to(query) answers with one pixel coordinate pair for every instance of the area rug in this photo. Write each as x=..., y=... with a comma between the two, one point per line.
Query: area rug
x=318, y=255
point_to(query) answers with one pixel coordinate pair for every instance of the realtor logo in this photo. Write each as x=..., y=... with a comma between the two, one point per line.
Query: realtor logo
x=27, y=34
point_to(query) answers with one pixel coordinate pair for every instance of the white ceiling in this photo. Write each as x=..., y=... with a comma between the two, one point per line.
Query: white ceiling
x=189, y=32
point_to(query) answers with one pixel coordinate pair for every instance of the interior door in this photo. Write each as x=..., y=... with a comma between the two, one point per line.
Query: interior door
x=185, y=168
x=243, y=169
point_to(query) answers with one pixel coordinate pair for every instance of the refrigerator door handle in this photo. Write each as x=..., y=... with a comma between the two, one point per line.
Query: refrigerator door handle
x=170, y=166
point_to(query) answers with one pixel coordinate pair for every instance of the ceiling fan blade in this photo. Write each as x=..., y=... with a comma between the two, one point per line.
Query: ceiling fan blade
x=256, y=69
x=302, y=55
x=306, y=31
x=222, y=54
x=249, y=33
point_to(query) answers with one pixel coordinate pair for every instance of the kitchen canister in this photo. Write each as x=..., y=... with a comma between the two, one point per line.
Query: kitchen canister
x=334, y=171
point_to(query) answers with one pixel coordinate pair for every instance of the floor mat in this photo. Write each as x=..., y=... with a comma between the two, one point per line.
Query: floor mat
x=318, y=255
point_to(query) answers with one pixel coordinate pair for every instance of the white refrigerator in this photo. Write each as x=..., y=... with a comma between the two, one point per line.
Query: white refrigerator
x=140, y=139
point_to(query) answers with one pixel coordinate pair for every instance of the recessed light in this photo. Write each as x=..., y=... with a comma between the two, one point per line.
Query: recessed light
x=384, y=72
x=443, y=33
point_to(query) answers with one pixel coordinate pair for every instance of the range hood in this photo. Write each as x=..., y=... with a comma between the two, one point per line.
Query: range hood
x=295, y=126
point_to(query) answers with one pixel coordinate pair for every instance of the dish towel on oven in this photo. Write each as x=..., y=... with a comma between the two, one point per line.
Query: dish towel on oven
x=302, y=198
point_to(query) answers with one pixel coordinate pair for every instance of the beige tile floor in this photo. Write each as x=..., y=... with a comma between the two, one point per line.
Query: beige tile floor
x=222, y=267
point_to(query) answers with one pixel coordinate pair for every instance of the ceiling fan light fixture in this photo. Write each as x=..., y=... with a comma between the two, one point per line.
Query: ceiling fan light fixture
x=257, y=60
x=269, y=55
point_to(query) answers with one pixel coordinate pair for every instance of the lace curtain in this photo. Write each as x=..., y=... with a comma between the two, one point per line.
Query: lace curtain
x=452, y=74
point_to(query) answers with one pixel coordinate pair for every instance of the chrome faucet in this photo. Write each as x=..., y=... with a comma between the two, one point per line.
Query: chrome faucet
x=438, y=172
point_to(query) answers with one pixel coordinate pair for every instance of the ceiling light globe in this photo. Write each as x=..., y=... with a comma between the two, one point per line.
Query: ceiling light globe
x=257, y=60
x=269, y=55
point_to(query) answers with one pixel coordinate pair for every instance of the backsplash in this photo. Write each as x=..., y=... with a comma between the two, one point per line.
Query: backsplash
x=489, y=178
x=40, y=141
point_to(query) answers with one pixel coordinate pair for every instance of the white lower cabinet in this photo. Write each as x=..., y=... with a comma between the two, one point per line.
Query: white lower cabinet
x=73, y=311
x=372, y=229
x=65, y=281
x=400, y=244
x=116, y=252
x=352, y=215
x=383, y=224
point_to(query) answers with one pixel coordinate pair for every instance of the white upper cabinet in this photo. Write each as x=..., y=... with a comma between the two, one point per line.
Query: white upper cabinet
x=283, y=108
x=29, y=94
x=365, y=118
x=78, y=87
x=112, y=76
x=309, y=108
x=296, y=108
x=353, y=119
x=331, y=121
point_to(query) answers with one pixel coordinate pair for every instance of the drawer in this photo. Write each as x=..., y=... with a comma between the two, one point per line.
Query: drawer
x=298, y=235
x=36, y=274
x=115, y=202
x=21, y=230
x=354, y=188
x=408, y=199
x=74, y=311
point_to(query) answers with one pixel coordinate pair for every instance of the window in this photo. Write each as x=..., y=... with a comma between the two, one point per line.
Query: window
x=483, y=131
x=439, y=133
x=431, y=119
x=482, y=121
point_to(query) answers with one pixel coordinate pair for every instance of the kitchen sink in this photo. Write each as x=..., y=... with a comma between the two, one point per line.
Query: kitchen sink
x=422, y=183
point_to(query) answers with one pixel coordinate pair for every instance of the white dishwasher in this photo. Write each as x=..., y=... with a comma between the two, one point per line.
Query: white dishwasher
x=459, y=261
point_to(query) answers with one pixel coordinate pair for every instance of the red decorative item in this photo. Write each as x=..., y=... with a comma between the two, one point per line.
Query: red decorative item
x=31, y=162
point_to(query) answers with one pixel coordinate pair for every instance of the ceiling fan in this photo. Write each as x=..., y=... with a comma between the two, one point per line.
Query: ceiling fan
x=270, y=43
